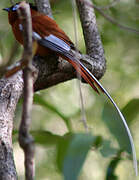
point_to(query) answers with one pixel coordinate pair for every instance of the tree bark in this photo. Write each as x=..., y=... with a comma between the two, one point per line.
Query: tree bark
x=10, y=91
x=50, y=71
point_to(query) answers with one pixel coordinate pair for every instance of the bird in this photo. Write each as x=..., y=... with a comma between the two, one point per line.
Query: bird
x=52, y=39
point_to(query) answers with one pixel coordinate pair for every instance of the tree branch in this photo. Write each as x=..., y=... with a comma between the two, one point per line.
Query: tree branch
x=113, y=21
x=51, y=71
x=92, y=38
x=110, y=5
x=25, y=139
x=10, y=91
x=44, y=7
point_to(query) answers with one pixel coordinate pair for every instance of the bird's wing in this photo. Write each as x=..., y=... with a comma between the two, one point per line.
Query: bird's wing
x=45, y=26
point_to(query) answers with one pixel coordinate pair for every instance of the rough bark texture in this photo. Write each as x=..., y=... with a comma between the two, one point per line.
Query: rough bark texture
x=93, y=42
x=10, y=91
x=51, y=71
x=44, y=7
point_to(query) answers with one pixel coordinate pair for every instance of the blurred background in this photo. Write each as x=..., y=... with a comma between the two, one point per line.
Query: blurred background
x=56, y=111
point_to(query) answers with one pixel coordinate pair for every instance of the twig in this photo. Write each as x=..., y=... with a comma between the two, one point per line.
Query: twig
x=25, y=139
x=113, y=21
x=83, y=114
x=113, y=3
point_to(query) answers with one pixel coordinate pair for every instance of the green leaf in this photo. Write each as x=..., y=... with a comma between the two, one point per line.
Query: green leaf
x=40, y=100
x=41, y=137
x=72, y=152
x=131, y=110
x=45, y=138
x=107, y=150
x=116, y=127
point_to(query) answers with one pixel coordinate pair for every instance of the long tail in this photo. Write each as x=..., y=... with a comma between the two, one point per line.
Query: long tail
x=82, y=72
x=90, y=78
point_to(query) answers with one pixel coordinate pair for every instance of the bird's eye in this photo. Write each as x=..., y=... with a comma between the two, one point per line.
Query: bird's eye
x=15, y=7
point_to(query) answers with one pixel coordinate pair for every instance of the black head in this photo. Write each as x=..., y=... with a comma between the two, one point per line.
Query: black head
x=16, y=6
x=12, y=8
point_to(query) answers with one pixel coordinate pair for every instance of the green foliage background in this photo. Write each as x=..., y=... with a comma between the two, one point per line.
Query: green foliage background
x=56, y=110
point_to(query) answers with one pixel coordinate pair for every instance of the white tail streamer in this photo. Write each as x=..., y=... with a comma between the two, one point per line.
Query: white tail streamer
x=106, y=93
x=123, y=120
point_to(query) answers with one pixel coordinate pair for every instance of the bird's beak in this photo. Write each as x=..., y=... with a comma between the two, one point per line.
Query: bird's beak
x=6, y=9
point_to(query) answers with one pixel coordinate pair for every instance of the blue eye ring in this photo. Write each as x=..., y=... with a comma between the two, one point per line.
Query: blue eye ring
x=15, y=7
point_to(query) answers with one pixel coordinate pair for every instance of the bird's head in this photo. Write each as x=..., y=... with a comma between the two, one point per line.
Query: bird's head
x=12, y=8
x=12, y=11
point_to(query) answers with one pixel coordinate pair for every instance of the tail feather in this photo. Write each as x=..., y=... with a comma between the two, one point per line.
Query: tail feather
x=82, y=72
x=89, y=75
x=90, y=78
x=67, y=54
